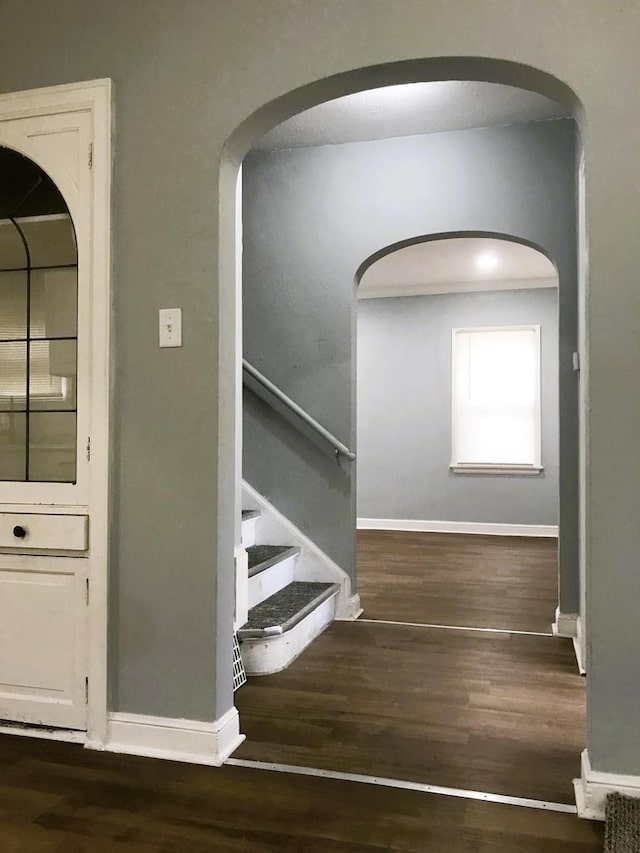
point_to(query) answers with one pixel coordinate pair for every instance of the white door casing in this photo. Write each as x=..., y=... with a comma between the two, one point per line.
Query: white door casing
x=53, y=589
x=241, y=613
x=583, y=408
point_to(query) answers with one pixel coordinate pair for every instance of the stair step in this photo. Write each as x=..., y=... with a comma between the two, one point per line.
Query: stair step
x=271, y=568
x=286, y=608
x=250, y=521
x=262, y=557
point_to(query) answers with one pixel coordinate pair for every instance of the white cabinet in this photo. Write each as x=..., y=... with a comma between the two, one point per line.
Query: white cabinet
x=54, y=341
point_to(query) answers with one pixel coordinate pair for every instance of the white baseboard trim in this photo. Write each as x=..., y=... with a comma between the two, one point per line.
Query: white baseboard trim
x=478, y=527
x=350, y=610
x=577, y=650
x=191, y=741
x=579, y=647
x=565, y=625
x=592, y=787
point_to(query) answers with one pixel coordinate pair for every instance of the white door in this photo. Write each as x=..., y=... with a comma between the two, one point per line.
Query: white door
x=47, y=411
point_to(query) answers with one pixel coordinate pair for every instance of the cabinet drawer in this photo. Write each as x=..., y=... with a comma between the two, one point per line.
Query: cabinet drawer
x=44, y=532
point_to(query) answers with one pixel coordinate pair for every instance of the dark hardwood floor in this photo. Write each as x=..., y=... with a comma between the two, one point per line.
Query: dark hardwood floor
x=450, y=579
x=501, y=713
x=496, y=712
x=59, y=798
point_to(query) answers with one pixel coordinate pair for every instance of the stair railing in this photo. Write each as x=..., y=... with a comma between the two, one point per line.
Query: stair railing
x=340, y=449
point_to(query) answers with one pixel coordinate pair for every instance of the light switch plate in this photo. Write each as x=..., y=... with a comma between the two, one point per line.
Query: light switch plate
x=170, y=328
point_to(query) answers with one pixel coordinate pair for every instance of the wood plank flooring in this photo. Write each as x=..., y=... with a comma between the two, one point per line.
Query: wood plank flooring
x=59, y=798
x=501, y=713
x=450, y=579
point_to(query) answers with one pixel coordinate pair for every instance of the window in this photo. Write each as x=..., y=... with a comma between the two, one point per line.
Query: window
x=495, y=375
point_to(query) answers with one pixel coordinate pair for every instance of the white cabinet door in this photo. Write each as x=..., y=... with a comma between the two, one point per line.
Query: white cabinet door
x=42, y=640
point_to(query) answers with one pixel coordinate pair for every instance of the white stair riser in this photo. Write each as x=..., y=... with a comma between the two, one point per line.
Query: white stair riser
x=271, y=580
x=273, y=654
x=248, y=531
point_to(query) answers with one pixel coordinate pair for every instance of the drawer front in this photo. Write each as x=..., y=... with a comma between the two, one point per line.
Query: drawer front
x=44, y=532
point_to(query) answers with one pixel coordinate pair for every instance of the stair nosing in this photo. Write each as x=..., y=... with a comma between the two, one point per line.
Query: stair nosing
x=295, y=619
x=291, y=551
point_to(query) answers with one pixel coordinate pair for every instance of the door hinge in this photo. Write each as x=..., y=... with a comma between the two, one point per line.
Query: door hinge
x=576, y=362
x=89, y=448
x=86, y=690
x=90, y=158
x=87, y=591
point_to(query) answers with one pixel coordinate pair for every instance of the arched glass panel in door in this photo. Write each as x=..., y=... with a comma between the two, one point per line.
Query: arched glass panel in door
x=38, y=326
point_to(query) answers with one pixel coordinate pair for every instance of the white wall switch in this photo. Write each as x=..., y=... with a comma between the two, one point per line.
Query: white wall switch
x=170, y=327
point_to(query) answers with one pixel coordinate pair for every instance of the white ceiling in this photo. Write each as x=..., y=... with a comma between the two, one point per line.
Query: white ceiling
x=455, y=265
x=411, y=109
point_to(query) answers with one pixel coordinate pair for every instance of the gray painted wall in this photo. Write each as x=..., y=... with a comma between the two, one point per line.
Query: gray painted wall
x=187, y=76
x=163, y=527
x=311, y=218
x=404, y=410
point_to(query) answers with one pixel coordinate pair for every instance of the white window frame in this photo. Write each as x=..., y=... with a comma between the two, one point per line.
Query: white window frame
x=496, y=468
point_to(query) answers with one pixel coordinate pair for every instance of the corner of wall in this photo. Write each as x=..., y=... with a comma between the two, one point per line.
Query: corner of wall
x=592, y=788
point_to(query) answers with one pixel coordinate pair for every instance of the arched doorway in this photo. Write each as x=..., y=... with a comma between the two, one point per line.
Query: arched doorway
x=458, y=361
x=229, y=266
x=262, y=120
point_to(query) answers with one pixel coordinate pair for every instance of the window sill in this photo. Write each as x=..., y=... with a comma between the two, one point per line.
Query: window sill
x=517, y=470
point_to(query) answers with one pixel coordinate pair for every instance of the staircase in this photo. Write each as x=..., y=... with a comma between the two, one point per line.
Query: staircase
x=285, y=613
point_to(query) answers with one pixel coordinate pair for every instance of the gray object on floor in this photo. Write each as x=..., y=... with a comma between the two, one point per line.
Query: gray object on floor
x=622, y=824
x=283, y=610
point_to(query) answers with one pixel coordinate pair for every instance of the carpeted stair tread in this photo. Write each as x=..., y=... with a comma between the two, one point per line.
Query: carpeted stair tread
x=286, y=608
x=262, y=557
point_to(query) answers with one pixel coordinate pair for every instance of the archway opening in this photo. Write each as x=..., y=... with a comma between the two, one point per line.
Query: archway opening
x=345, y=199
x=458, y=379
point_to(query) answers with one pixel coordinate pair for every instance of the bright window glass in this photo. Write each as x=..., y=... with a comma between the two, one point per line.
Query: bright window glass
x=496, y=397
